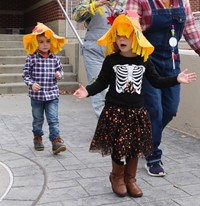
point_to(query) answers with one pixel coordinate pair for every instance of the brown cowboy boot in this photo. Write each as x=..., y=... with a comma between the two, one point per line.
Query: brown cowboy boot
x=130, y=174
x=117, y=180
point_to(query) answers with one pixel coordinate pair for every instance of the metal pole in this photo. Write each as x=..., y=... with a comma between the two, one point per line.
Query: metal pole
x=70, y=23
x=66, y=24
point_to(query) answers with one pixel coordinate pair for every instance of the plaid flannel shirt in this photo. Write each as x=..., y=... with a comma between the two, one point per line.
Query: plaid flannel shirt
x=190, y=33
x=38, y=69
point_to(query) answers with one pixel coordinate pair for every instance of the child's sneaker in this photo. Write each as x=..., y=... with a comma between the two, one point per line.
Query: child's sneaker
x=58, y=146
x=155, y=169
x=38, y=145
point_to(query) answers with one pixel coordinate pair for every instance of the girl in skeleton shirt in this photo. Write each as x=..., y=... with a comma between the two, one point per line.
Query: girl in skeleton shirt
x=124, y=127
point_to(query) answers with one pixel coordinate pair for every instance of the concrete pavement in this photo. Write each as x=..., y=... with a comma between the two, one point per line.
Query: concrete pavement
x=77, y=177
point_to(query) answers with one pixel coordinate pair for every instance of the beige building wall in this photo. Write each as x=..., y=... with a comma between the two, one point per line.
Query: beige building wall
x=188, y=116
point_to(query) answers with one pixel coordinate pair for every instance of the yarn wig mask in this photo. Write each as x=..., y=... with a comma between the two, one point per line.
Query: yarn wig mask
x=125, y=25
x=31, y=43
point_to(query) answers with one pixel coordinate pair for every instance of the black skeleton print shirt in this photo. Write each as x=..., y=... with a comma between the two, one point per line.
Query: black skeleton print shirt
x=124, y=76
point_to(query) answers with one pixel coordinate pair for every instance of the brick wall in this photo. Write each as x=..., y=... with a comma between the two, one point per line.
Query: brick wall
x=11, y=13
x=45, y=13
x=195, y=4
x=11, y=21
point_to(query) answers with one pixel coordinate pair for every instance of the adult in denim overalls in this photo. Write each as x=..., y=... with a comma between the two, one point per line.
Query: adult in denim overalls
x=162, y=104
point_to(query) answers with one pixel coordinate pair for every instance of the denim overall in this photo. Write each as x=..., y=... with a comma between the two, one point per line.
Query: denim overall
x=162, y=104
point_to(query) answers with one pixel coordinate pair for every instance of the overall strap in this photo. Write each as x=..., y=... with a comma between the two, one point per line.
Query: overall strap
x=181, y=3
x=152, y=5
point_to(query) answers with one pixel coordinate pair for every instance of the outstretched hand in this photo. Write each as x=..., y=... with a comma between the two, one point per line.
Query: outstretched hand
x=186, y=78
x=81, y=92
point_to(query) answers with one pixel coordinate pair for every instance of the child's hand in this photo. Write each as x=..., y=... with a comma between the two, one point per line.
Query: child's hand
x=186, y=78
x=81, y=92
x=36, y=87
x=58, y=75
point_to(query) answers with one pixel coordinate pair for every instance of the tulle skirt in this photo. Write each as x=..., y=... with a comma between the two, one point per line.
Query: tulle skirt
x=123, y=133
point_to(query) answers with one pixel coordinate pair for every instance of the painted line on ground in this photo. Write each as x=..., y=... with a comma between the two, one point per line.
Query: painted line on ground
x=10, y=182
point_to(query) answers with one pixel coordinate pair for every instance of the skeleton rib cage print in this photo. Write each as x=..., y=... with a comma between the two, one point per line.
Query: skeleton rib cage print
x=129, y=78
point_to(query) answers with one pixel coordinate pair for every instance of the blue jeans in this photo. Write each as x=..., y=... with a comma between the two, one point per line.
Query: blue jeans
x=51, y=111
x=162, y=105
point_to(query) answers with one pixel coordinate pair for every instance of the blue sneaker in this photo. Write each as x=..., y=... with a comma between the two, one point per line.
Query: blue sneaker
x=155, y=169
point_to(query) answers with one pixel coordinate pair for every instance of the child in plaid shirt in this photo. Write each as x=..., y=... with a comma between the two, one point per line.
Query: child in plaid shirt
x=41, y=71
